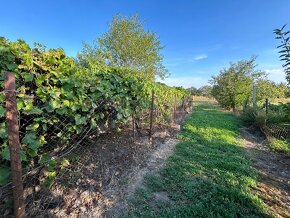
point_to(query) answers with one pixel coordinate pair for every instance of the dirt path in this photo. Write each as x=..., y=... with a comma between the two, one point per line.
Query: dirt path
x=274, y=171
x=102, y=174
x=155, y=163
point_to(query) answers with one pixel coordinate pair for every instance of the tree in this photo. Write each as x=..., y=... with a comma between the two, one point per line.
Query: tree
x=233, y=86
x=284, y=50
x=271, y=90
x=202, y=91
x=127, y=44
x=205, y=91
x=193, y=90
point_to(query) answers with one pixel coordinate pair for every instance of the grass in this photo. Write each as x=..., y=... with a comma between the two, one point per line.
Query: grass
x=203, y=99
x=207, y=176
x=280, y=100
x=279, y=145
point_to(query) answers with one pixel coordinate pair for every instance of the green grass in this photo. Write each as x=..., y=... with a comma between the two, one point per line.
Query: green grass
x=207, y=176
x=279, y=145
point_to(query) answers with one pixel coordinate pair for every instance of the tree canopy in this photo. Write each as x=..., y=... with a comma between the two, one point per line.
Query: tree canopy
x=233, y=86
x=127, y=44
x=202, y=91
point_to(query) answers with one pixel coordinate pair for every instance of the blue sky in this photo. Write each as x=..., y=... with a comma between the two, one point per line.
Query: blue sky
x=200, y=37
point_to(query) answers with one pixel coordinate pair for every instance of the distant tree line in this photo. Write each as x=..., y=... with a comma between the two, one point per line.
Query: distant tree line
x=202, y=91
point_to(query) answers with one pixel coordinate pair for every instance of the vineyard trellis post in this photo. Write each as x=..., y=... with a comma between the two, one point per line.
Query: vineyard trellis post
x=14, y=145
x=183, y=105
x=254, y=95
x=174, y=110
x=151, y=117
x=133, y=126
x=175, y=103
x=267, y=105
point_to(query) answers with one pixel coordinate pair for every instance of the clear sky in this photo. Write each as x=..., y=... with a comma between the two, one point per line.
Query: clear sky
x=200, y=36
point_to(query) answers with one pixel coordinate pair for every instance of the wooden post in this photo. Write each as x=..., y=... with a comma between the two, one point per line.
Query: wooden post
x=254, y=96
x=14, y=145
x=267, y=105
x=174, y=110
x=183, y=104
x=151, y=117
x=133, y=126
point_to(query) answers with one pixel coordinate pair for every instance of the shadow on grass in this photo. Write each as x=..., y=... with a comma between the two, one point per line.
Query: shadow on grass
x=208, y=175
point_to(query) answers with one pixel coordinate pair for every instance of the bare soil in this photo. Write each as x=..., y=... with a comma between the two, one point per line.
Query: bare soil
x=103, y=173
x=274, y=173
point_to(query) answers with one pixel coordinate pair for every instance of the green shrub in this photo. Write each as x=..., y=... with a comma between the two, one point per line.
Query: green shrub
x=258, y=117
x=248, y=116
x=279, y=145
x=254, y=117
x=278, y=113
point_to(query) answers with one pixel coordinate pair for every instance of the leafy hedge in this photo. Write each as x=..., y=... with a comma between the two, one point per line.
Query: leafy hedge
x=55, y=93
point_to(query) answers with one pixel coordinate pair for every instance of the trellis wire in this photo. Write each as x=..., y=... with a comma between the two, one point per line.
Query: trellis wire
x=38, y=204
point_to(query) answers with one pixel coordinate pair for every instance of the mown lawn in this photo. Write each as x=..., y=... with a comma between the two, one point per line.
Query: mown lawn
x=207, y=176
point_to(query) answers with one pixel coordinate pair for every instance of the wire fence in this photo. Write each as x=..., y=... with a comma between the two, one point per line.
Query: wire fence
x=38, y=148
x=273, y=130
x=276, y=131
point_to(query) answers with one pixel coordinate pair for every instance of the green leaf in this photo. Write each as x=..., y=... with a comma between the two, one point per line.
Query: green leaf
x=6, y=153
x=51, y=165
x=62, y=111
x=44, y=159
x=66, y=103
x=34, y=110
x=2, y=111
x=33, y=143
x=40, y=79
x=11, y=66
x=23, y=156
x=28, y=77
x=50, y=179
x=31, y=152
x=54, y=104
x=93, y=123
x=4, y=175
x=20, y=104
x=64, y=163
x=2, y=96
x=3, y=131
x=51, y=174
x=42, y=140
x=33, y=126
x=79, y=119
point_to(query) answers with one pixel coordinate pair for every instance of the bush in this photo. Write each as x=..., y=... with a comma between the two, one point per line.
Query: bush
x=253, y=117
x=275, y=117
x=279, y=145
x=248, y=116
x=259, y=118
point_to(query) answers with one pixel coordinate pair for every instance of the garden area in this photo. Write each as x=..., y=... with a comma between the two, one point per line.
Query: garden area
x=104, y=134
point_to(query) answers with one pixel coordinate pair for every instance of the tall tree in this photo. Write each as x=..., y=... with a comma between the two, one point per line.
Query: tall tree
x=193, y=90
x=127, y=44
x=233, y=86
x=205, y=91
